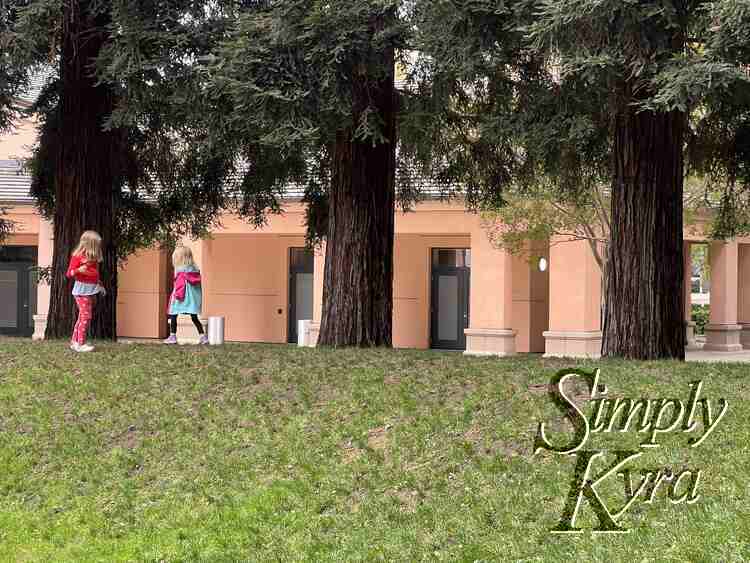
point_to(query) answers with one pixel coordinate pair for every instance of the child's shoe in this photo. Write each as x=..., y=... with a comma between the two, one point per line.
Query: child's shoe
x=85, y=348
x=75, y=347
x=203, y=339
x=171, y=340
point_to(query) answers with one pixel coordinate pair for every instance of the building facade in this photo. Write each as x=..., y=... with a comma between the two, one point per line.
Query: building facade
x=453, y=289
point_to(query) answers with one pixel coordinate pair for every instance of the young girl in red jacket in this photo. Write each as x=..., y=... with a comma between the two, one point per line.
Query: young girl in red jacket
x=84, y=269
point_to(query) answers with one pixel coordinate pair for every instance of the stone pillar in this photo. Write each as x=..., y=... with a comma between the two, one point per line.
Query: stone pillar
x=743, y=283
x=186, y=333
x=531, y=297
x=575, y=283
x=45, y=249
x=318, y=277
x=723, y=332
x=687, y=289
x=490, y=331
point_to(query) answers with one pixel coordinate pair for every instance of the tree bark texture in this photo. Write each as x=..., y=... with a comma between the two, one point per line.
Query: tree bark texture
x=644, y=317
x=358, y=280
x=85, y=181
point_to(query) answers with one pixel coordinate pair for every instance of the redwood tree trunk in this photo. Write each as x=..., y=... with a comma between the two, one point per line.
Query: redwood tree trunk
x=358, y=281
x=644, y=316
x=85, y=182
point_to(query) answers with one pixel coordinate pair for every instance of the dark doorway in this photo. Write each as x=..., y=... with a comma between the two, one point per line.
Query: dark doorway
x=17, y=290
x=301, y=266
x=450, y=298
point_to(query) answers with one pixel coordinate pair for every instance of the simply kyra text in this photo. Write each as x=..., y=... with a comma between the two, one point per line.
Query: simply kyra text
x=651, y=417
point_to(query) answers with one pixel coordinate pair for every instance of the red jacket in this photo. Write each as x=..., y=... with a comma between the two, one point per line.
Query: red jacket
x=90, y=275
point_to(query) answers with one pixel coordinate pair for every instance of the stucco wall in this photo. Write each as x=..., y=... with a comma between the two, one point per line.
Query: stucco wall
x=142, y=295
x=246, y=281
x=25, y=220
x=412, y=271
x=246, y=278
x=17, y=142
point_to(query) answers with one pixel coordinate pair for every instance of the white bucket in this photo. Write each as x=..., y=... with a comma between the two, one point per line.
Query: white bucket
x=215, y=330
x=303, y=333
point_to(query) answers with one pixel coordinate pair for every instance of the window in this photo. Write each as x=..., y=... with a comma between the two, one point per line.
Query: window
x=301, y=259
x=451, y=257
x=18, y=254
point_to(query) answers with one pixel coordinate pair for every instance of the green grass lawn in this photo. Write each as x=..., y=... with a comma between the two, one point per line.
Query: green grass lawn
x=266, y=453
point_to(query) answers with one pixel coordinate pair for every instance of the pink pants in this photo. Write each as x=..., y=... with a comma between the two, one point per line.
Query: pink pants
x=85, y=305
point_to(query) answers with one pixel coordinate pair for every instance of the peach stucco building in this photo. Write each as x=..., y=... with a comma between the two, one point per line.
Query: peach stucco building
x=452, y=288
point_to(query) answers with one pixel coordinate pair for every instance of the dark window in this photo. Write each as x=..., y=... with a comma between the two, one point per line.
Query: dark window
x=301, y=259
x=18, y=254
x=451, y=257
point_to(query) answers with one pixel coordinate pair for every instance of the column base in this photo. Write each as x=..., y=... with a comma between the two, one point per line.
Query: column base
x=723, y=338
x=186, y=331
x=745, y=336
x=690, y=343
x=490, y=342
x=40, y=327
x=572, y=344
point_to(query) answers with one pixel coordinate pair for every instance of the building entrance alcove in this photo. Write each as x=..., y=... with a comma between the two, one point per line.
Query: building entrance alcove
x=449, y=308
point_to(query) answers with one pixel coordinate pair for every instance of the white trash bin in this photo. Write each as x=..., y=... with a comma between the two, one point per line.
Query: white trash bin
x=303, y=333
x=215, y=331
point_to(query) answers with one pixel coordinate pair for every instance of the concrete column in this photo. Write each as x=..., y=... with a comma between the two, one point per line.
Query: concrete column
x=575, y=282
x=687, y=290
x=531, y=297
x=186, y=333
x=318, y=277
x=723, y=332
x=490, y=331
x=743, y=282
x=45, y=249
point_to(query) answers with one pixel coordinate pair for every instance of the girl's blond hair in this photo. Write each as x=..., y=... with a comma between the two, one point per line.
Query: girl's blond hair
x=182, y=257
x=90, y=246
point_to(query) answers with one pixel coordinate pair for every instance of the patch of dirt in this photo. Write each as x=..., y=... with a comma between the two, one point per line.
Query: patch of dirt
x=326, y=394
x=578, y=392
x=483, y=444
x=256, y=377
x=377, y=439
x=131, y=439
x=392, y=380
x=473, y=434
x=509, y=449
x=539, y=388
x=409, y=500
x=350, y=452
x=217, y=391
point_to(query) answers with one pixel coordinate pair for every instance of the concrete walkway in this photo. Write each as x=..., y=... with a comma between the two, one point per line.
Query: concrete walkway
x=698, y=355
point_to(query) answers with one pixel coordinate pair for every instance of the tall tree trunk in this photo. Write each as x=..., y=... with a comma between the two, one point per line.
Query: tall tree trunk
x=85, y=181
x=644, y=316
x=358, y=282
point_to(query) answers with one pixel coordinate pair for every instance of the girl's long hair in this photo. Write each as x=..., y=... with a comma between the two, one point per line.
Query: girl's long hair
x=182, y=257
x=90, y=246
